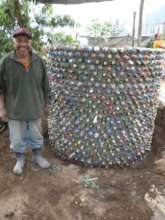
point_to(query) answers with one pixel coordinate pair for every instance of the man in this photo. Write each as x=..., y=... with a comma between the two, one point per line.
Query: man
x=23, y=95
x=158, y=43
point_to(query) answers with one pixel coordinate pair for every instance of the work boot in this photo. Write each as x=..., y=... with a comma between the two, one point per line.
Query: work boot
x=40, y=160
x=18, y=168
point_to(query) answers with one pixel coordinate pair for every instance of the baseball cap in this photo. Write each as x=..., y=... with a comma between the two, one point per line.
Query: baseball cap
x=22, y=31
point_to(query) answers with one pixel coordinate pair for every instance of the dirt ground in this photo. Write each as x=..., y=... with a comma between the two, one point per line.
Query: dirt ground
x=70, y=192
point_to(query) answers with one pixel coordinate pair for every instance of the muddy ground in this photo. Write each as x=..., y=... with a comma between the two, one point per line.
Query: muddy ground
x=69, y=192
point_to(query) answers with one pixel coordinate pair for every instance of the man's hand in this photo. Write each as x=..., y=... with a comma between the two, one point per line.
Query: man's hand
x=3, y=114
x=46, y=109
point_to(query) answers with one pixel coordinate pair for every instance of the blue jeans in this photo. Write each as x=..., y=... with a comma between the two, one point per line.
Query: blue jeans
x=25, y=134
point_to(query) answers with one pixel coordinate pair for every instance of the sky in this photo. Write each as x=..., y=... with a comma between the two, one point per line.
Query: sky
x=121, y=10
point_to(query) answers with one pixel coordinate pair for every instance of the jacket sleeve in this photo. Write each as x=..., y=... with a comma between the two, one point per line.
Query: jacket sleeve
x=2, y=77
x=45, y=82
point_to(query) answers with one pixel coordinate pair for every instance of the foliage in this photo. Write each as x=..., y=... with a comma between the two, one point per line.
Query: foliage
x=90, y=182
x=40, y=19
x=98, y=29
x=104, y=29
x=117, y=29
x=163, y=35
x=61, y=38
x=150, y=43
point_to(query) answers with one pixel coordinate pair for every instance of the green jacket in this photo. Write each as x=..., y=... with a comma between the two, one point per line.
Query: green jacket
x=25, y=92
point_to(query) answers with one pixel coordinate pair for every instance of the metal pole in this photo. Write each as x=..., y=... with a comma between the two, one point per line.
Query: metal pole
x=140, y=22
x=133, y=29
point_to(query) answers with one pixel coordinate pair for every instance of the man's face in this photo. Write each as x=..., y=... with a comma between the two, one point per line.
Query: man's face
x=22, y=45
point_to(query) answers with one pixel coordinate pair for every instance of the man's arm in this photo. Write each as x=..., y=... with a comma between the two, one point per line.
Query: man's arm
x=3, y=114
x=45, y=84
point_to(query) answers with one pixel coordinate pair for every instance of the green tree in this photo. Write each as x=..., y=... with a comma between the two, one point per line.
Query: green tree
x=42, y=22
x=99, y=29
x=104, y=29
x=61, y=38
